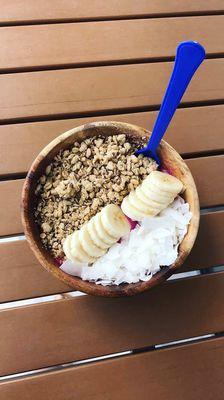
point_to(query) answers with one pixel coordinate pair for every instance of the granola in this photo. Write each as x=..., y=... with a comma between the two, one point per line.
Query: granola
x=82, y=180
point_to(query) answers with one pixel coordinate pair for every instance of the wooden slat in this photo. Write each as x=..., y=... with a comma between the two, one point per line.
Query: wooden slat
x=188, y=372
x=17, y=262
x=208, y=249
x=84, y=327
x=93, y=42
x=193, y=130
x=10, y=195
x=204, y=169
x=79, y=90
x=12, y=11
x=21, y=276
x=208, y=173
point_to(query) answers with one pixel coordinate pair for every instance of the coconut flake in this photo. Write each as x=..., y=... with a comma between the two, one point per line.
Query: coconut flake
x=72, y=268
x=152, y=243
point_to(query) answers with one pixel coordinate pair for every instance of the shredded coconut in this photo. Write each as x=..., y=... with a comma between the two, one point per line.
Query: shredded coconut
x=151, y=244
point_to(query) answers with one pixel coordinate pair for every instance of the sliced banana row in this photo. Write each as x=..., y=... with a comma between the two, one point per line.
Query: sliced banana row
x=155, y=193
x=97, y=235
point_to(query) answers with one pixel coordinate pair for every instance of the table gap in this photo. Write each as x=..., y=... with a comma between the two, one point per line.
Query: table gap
x=106, y=112
x=52, y=21
x=157, y=347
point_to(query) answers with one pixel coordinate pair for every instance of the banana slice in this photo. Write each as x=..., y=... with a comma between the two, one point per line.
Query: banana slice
x=165, y=182
x=95, y=236
x=141, y=206
x=88, y=245
x=114, y=221
x=101, y=232
x=141, y=196
x=130, y=211
x=76, y=250
x=67, y=246
x=156, y=194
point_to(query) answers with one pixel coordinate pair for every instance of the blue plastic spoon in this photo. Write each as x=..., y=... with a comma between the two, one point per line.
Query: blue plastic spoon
x=189, y=56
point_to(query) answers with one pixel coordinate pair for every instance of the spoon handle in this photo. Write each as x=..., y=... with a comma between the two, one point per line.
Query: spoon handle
x=189, y=56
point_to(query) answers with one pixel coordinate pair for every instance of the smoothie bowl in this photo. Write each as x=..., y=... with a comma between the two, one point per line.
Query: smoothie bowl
x=104, y=221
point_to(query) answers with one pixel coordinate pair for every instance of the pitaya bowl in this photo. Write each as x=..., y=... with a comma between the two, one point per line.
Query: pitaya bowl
x=171, y=162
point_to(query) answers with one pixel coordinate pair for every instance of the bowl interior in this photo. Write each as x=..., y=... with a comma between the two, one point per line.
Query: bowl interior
x=171, y=161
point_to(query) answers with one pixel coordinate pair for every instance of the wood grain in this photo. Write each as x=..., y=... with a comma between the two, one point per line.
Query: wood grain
x=47, y=334
x=208, y=248
x=193, y=130
x=18, y=261
x=21, y=276
x=204, y=169
x=12, y=11
x=46, y=93
x=192, y=371
x=10, y=198
x=93, y=42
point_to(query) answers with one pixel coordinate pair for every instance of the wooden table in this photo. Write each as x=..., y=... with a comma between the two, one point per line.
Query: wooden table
x=64, y=63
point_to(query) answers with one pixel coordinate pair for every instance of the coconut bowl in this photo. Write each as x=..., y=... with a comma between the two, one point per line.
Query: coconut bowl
x=171, y=161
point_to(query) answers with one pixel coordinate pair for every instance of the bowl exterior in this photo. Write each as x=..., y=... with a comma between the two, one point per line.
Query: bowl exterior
x=171, y=161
